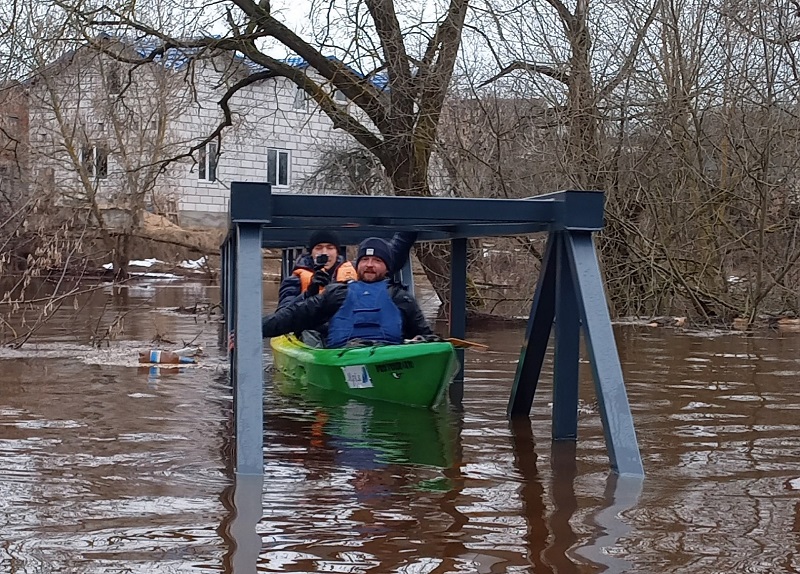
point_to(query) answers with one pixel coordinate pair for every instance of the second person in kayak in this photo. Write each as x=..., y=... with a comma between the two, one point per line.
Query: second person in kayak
x=368, y=309
x=323, y=264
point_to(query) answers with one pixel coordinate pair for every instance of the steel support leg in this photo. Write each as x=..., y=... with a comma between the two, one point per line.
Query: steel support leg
x=566, y=356
x=248, y=369
x=458, y=297
x=540, y=323
x=620, y=435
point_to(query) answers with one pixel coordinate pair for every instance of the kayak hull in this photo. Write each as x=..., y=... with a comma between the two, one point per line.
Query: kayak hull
x=414, y=374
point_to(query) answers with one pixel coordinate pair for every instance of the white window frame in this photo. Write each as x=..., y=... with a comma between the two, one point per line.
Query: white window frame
x=208, y=162
x=94, y=159
x=114, y=79
x=279, y=172
x=340, y=98
x=301, y=99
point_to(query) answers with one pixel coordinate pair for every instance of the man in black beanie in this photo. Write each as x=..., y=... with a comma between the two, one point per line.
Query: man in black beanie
x=324, y=264
x=316, y=268
x=370, y=308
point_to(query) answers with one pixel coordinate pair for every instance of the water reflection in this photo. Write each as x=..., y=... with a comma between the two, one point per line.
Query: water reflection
x=552, y=543
x=532, y=494
x=366, y=435
x=562, y=486
x=242, y=500
x=106, y=468
x=621, y=494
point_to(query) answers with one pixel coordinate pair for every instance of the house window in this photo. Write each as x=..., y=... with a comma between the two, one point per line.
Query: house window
x=94, y=159
x=278, y=167
x=339, y=97
x=300, y=99
x=207, y=161
x=113, y=79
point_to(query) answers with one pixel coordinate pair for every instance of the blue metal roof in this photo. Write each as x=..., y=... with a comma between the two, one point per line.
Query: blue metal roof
x=179, y=58
x=380, y=80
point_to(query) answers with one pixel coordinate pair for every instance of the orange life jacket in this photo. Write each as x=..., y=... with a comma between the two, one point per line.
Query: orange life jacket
x=345, y=272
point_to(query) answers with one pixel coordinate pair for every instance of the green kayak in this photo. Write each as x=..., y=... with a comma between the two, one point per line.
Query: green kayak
x=414, y=374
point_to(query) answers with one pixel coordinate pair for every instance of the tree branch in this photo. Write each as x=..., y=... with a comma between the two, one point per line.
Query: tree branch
x=562, y=77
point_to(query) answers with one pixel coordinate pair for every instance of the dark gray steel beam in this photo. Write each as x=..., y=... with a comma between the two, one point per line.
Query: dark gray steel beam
x=294, y=236
x=537, y=333
x=254, y=202
x=566, y=351
x=615, y=411
x=577, y=210
x=393, y=210
x=458, y=298
x=248, y=372
x=250, y=202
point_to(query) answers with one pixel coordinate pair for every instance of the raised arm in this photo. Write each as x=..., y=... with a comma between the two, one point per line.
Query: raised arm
x=400, y=245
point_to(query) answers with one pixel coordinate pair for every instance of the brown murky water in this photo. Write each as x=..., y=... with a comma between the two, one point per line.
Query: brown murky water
x=107, y=467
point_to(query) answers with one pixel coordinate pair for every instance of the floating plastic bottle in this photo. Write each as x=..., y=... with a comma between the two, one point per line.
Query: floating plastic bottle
x=167, y=357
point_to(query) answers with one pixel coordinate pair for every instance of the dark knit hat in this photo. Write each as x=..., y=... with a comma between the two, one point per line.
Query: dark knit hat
x=323, y=236
x=377, y=247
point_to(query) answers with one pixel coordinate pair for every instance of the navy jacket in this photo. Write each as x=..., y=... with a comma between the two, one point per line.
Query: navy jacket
x=289, y=290
x=314, y=312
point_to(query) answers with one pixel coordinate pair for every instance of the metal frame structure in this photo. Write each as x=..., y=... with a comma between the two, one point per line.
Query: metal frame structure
x=569, y=294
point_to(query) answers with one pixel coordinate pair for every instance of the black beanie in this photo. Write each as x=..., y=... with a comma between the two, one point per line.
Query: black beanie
x=377, y=247
x=323, y=236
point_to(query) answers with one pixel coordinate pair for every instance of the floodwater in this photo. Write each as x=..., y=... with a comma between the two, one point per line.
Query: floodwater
x=109, y=467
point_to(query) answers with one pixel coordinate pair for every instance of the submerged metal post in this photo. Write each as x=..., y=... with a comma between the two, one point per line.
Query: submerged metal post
x=615, y=411
x=249, y=209
x=248, y=374
x=458, y=298
x=537, y=333
x=570, y=290
x=566, y=354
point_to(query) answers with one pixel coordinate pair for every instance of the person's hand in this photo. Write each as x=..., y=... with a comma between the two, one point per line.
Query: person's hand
x=425, y=339
x=320, y=279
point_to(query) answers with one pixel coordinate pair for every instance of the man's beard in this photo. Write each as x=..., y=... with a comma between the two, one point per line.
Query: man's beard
x=373, y=278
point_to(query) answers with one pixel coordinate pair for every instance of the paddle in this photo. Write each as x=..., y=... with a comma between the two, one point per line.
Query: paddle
x=467, y=344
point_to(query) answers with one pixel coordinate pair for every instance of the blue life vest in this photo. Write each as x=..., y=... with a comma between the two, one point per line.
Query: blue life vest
x=368, y=313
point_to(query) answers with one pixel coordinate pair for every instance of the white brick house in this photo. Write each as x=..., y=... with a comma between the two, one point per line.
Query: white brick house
x=278, y=136
x=100, y=131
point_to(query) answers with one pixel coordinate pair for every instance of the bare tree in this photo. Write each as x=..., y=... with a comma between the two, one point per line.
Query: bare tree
x=688, y=120
x=393, y=67
x=101, y=128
